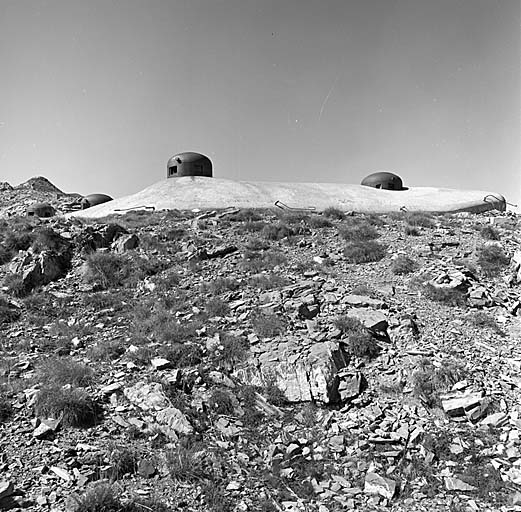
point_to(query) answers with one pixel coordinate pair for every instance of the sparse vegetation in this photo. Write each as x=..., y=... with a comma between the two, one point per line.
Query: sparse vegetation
x=364, y=252
x=359, y=231
x=430, y=380
x=492, y=259
x=73, y=405
x=360, y=343
x=445, y=295
x=489, y=233
x=403, y=265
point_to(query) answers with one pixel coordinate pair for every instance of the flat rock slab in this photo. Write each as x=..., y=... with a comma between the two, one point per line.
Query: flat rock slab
x=216, y=193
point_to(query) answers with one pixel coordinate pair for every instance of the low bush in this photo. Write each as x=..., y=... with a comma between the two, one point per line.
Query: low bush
x=123, y=459
x=357, y=231
x=187, y=463
x=489, y=233
x=268, y=324
x=73, y=405
x=403, y=265
x=182, y=355
x=364, y=252
x=492, y=259
x=334, y=213
x=411, y=231
x=219, y=285
x=59, y=371
x=6, y=408
x=268, y=281
x=447, y=296
x=429, y=380
x=319, y=222
x=231, y=351
x=216, y=307
x=277, y=231
x=103, y=498
x=8, y=312
x=258, y=261
x=107, y=269
x=360, y=343
x=15, y=285
x=420, y=219
x=482, y=319
x=106, y=350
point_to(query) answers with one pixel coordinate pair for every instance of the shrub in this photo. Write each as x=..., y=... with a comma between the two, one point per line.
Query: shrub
x=8, y=313
x=123, y=459
x=257, y=262
x=256, y=244
x=360, y=343
x=182, y=355
x=59, y=371
x=420, y=219
x=15, y=285
x=106, y=350
x=6, y=409
x=268, y=324
x=364, y=252
x=74, y=405
x=403, y=265
x=492, y=259
x=448, y=296
x=411, y=231
x=245, y=215
x=357, y=232
x=489, y=233
x=220, y=285
x=277, y=231
x=107, y=269
x=231, y=351
x=429, y=381
x=334, y=213
x=484, y=320
x=252, y=226
x=319, y=222
x=103, y=498
x=268, y=281
x=221, y=402
x=5, y=255
x=216, y=307
x=186, y=463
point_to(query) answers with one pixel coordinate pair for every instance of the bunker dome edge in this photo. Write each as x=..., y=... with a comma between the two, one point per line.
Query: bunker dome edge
x=383, y=180
x=189, y=164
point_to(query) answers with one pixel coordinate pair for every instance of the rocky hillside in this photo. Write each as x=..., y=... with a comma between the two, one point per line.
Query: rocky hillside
x=15, y=200
x=260, y=361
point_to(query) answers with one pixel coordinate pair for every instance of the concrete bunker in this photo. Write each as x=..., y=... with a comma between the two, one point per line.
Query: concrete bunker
x=43, y=210
x=189, y=164
x=384, y=181
x=94, y=199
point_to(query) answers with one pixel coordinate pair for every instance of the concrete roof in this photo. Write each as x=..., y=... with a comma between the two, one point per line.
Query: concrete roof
x=214, y=193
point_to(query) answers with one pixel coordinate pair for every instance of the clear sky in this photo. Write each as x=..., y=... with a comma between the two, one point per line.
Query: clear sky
x=96, y=95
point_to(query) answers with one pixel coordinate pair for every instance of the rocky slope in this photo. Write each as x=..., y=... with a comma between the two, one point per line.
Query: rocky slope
x=261, y=361
x=15, y=200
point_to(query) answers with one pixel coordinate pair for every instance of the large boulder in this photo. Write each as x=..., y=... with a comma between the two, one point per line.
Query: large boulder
x=303, y=372
x=41, y=268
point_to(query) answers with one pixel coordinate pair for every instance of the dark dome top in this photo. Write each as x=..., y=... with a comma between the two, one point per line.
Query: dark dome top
x=383, y=180
x=188, y=157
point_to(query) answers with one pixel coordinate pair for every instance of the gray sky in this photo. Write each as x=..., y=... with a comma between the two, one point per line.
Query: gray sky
x=96, y=95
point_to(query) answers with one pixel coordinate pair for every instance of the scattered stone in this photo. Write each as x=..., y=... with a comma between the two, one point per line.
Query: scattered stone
x=376, y=484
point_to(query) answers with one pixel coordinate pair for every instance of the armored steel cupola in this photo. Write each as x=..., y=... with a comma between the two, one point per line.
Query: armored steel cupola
x=384, y=181
x=189, y=164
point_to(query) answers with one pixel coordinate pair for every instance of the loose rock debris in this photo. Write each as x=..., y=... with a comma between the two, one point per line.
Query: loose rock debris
x=205, y=404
